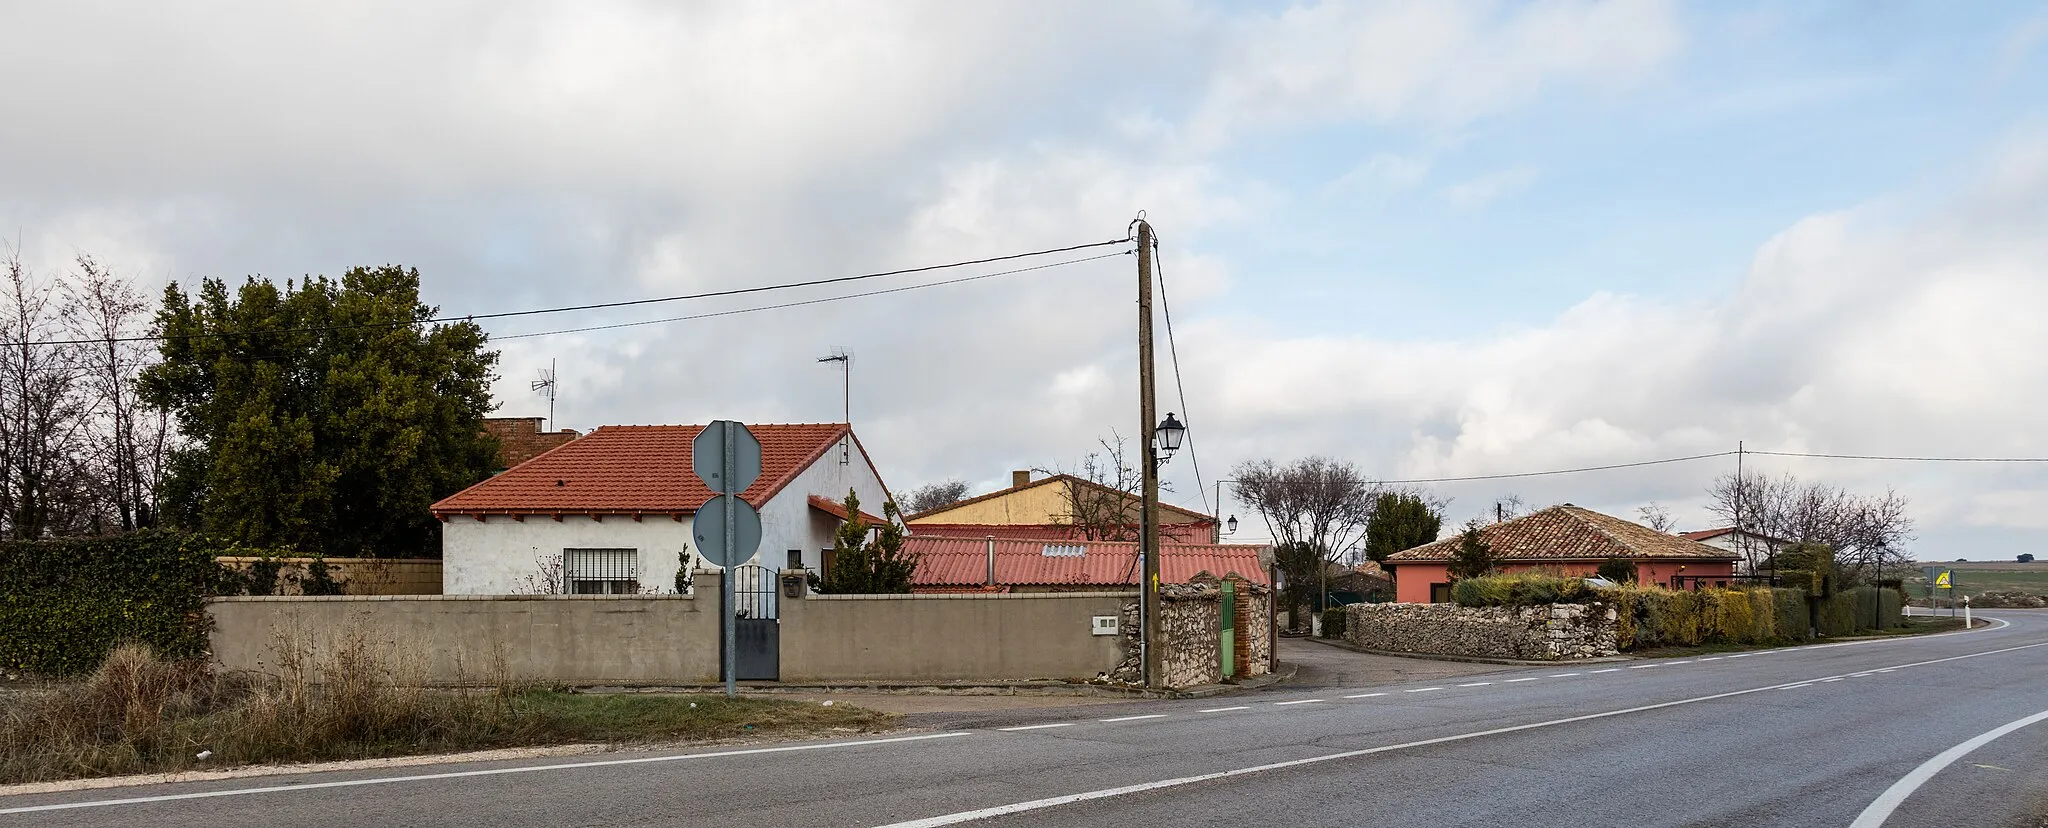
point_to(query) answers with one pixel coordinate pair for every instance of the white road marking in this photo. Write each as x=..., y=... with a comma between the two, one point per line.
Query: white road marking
x=1711, y=658
x=1643, y=666
x=1036, y=727
x=1224, y=709
x=1824, y=681
x=1423, y=689
x=1531, y=678
x=1564, y=675
x=1106, y=793
x=1881, y=808
x=1299, y=701
x=1742, y=655
x=1796, y=686
x=1134, y=718
x=428, y=777
x=1608, y=670
x=1476, y=684
x=1365, y=695
x=1676, y=663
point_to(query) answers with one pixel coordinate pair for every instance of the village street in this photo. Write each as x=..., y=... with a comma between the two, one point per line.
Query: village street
x=1805, y=736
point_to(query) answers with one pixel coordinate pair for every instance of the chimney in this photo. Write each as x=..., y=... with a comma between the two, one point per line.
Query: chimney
x=1020, y=478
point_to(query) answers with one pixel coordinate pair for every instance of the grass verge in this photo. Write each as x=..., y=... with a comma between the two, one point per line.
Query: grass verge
x=141, y=714
x=1913, y=626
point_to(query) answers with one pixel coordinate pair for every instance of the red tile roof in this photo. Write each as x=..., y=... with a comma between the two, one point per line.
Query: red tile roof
x=617, y=470
x=1569, y=533
x=1710, y=534
x=1181, y=532
x=959, y=562
x=837, y=508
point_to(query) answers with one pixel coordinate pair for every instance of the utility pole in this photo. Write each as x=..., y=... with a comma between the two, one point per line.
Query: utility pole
x=1148, y=587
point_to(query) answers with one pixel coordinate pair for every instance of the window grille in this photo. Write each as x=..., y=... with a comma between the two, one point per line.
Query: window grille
x=601, y=571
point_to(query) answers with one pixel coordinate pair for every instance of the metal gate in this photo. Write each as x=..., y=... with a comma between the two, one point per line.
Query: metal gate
x=757, y=631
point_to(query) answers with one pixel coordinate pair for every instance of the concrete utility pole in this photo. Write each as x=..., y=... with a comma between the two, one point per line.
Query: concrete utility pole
x=1148, y=588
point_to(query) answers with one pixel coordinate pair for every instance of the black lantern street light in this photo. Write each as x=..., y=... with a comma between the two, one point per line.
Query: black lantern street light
x=1230, y=526
x=1170, y=433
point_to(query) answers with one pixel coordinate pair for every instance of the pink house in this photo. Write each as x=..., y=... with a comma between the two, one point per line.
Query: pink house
x=1568, y=538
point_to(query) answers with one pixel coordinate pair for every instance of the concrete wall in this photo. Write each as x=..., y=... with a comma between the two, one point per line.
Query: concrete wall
x=358, y=576
x=500, y=555
x=567, y=639
x=948, y=637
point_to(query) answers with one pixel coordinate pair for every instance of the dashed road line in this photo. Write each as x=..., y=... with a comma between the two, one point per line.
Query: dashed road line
x=1038, y=726
x=1564, y=675
x=1608, y=670
x=1476, y=684
x=1134, y=718
x=1423, y=689
x=1365, y=695
x=1296, y=701
x=1225, y=709
x=1643, y=666
x=1531, y=678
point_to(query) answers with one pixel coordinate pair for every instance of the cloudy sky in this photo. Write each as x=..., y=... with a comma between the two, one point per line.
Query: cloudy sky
x=1434, y=239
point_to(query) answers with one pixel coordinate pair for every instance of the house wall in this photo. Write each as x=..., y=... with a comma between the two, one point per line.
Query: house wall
x=948, y=637
x=1036, y=506
x=502, y=556
x=1412, y=580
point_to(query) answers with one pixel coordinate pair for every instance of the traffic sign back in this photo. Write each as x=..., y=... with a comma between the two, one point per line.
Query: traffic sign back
x=708, y=527
x=708, y=455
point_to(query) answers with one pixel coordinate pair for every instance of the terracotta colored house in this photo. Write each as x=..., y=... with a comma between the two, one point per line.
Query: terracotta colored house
x=1047, y=508
x=951, y=565
x=1569, y=538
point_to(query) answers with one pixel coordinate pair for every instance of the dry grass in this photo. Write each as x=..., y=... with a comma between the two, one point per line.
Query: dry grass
x=350, y=700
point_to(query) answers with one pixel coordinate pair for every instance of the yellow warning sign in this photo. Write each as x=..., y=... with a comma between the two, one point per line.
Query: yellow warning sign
x=1942, y=582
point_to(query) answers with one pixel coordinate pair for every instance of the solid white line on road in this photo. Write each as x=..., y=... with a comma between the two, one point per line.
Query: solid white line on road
x=1742, y=655
x=1608, y=670
x=1676, y=663
x=1531, y=678
x=1796, y=686
x=1298, y=701
x=1564, y=675
x=1643, y=666
x=1476, y=684
x=1106, y=793
x=1881, y=808
x=1711, y=658
x=428, y=777
x=1036, y=727
x=1134, y=718
x=1824, y=681
x=1423, y=689
x=1365, y=695
x=1224, y=709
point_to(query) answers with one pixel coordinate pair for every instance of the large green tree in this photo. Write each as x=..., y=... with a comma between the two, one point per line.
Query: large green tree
x=1400, y=520
x=326, y=415
x=1473, y=557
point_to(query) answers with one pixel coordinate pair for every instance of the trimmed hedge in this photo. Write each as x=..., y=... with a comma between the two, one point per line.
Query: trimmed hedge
x=1653, y=616
x=65, y=604
x=1524, y=589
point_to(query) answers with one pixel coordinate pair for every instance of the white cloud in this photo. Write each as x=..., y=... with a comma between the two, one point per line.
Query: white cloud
x=1486, y=189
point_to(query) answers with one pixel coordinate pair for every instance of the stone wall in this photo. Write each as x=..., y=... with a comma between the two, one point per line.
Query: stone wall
x=1191, y=621
x=1555, y=632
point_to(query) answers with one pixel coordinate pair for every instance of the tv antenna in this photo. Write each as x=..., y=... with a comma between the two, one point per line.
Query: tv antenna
x=844, y=358
x=546, y=386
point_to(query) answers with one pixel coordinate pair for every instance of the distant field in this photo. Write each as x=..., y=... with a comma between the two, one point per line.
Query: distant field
x=1974, y=577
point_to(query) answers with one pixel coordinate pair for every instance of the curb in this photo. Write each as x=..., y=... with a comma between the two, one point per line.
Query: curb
x=1470, y=659
x=1204, y=691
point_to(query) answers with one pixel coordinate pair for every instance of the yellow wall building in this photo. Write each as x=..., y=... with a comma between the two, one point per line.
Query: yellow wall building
x=1052, y=501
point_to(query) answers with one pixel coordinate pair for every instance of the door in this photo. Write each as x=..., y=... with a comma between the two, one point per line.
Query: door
x=757, y=632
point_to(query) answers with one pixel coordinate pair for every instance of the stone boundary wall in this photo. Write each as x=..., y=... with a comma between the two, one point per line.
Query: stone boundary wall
x=1555, y=632
x=1191, y=620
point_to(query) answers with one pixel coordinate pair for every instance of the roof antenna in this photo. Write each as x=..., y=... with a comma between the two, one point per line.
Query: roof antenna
x=844, y=357
x=546, y=386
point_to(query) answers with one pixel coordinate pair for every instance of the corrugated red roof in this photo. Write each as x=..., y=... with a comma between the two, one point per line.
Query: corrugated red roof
x=635, y=470
x=1569, y=533
x=1019, y=562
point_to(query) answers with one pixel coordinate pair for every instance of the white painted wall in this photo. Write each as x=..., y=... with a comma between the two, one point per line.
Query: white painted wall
x=503, y=556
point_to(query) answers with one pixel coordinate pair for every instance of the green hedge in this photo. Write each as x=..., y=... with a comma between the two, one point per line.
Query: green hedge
x=1334, y=622
x=1525, y=589
x=1850, y=610
x=1652, y=616
x=64, y=604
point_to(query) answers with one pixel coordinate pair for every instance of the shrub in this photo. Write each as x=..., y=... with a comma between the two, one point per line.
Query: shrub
x=65, y=604
x=1522, y=589
x=1334, y=622
x=1653, y=616
x=1618, y=570
x=319, y=579
x=1473, y=557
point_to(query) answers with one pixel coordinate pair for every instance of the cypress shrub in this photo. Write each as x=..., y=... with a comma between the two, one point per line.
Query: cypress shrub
x=65, y=604
x=1334, y=622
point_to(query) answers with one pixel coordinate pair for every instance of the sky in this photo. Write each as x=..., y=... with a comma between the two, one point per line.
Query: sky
x=1432, y=239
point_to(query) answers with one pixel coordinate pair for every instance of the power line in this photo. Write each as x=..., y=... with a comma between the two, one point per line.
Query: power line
x=1181, y=388
x=1565, y=471
x=575, y=308
x=811, y=301
x=1902, y=459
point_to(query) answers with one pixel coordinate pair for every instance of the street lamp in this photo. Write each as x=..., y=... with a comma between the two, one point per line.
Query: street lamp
x=1230, y=526
x=1170, y=432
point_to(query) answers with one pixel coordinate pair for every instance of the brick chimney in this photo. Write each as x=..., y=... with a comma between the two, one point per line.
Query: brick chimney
x=1021, y=478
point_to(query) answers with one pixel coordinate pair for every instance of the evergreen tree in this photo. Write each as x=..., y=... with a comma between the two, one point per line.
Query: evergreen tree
x=1400, y=521
x=1474, y=558
x=868, y=566
x=1619, y=570
x=325, y=416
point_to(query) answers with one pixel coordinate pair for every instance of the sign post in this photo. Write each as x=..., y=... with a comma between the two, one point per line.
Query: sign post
x=728, y=529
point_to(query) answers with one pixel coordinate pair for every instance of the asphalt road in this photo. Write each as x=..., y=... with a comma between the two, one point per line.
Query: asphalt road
x=1803, y=736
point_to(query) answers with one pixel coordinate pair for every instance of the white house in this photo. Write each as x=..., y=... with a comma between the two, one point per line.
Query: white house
x=609, y=512
x=1739, y=541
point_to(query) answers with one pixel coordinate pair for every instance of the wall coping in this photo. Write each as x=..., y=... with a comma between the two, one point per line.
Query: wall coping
x=231, y=599
x=975, y=596
x=309, y=559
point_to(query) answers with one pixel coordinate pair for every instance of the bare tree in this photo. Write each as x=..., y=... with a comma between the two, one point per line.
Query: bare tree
x=41, y=419
x=1655, y=516
x=935, y=496
x=1867, y=533
x=1103, y=501
x=126, y=441
x=1314, y=503
x=1509, y=507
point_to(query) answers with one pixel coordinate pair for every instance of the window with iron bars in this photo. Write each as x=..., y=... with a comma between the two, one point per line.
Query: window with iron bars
x=601, y=571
